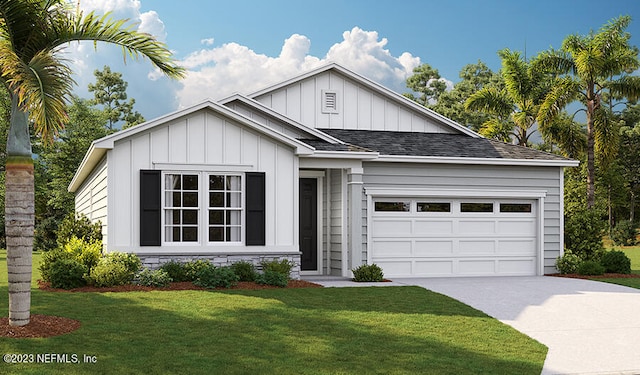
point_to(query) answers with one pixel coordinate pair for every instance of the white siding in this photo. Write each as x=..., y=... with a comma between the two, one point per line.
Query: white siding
x=91, y=198
x=338, y=222
x=203, y=141
x=359, y=107
x=259, y=117
x=482, y=178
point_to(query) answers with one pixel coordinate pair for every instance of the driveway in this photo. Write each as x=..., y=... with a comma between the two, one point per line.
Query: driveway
x=589, y=327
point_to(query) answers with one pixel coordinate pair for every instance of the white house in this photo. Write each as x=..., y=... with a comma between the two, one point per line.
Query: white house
x=331, y=171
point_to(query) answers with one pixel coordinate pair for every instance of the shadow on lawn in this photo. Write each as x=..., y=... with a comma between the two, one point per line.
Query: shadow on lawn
x=280, y=332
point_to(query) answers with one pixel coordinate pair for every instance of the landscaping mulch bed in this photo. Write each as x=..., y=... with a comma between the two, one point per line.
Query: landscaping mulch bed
x=47, y=325
x=605, y=276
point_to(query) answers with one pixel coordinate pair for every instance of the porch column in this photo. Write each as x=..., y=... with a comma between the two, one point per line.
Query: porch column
x=354, y=191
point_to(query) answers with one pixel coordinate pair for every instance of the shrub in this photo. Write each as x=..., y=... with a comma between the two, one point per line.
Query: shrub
x=624, y=233
x=568, y=262
x=246, y=271
x=67, y=273
x=115, y=269
x=583, y=233
x=282, y=266
x=192, y=269
x=87, y=253
x=176, y=271
x=49, y=258
x=616, y=262
x=368, y=272
x=79, y=226
x=158, y=278
x=590, y=268
x=214, y=277
x=271, y=277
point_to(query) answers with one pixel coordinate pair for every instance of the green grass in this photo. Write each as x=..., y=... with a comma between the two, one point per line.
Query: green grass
x=633, y=252
x=377, y=330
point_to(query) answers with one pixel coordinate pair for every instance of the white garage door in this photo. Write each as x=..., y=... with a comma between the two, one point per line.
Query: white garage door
x=454, y=237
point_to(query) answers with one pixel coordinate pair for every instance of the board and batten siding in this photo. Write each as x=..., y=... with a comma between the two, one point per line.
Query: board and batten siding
x=260, y=118
x=202, y=141
x=446, y=177
x=91, y=198
x=358, y=106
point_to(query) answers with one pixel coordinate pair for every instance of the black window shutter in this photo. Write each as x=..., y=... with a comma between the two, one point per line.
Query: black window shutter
x=150, y=192
x=255, y=209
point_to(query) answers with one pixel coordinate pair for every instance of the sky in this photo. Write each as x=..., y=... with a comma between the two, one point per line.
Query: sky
x=243, y=46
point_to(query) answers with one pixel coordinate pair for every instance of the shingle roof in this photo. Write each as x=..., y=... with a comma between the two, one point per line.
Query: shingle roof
x=432, y=144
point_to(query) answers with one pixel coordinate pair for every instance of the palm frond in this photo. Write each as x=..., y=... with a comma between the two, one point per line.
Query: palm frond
x=607, y=135
x=626, y=86
x=516, y=75
x=492, y=101
x=553, y=61
x=565, y=91
x=496, y=129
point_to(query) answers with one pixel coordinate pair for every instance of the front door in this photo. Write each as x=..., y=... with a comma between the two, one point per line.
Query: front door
x=309, y=224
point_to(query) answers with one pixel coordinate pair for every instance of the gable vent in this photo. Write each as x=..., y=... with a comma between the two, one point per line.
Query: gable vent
x=329, y=101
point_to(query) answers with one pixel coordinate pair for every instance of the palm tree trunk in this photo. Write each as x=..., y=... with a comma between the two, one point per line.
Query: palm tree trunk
x=19, y=216
x=591, y=156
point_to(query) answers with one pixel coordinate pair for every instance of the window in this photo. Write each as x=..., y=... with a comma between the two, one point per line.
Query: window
x=181, y=207
x=393, y=206
x=225, y=208
x=433, y=207
x=476, y=207
x=515, y=207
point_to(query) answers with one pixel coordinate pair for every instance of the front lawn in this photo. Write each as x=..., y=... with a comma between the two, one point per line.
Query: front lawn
x=633, y=252
x=384, y=330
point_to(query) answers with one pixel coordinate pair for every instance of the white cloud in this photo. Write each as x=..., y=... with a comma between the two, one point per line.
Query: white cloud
x=221, y=71
x=150, y=23
x=207, y=41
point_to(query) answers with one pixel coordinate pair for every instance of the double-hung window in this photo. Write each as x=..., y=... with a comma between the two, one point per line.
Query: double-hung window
x=225, y=208
x=181, y=207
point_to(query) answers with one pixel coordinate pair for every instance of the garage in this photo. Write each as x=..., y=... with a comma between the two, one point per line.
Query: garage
x=448, y=237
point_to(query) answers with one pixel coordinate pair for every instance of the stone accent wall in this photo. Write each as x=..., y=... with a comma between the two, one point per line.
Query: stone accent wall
x=155, y=261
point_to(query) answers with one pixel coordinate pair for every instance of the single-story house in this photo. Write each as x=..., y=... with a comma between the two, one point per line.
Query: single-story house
x=330, y=170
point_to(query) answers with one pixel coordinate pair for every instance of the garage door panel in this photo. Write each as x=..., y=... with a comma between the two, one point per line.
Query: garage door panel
x=433, y=247
x=477, y=247
x=517, y=267
x=433, y=268
x=517, y=247
x=393, y=247
x=392, y=227
x=517, y=227
x=472, y=267
x=476, y=227
x=396, y=268
x=431, y=227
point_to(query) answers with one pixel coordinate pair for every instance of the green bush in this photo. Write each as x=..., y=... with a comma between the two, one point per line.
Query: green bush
x=568, y=262
x=158, y=278
x=87, y=253
x=616, y=262
x=282, y=266
x=368, y=272
x=624, y=233
x=271, y=277
x=192, y=269
x=49, y=258
x=176, y=271
x=590, y=268
x=215, y=277
x=246, y=271
x=67, y=273
x=583, y=233
x=115, y=269
x=79, y=226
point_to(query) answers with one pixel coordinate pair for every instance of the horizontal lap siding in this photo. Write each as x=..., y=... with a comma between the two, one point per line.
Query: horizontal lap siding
x=485, y=178
x=359, y=107
x=337, y=232
x=91, y=198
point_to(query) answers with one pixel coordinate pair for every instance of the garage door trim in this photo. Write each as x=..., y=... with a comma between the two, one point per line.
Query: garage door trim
x=537, y=195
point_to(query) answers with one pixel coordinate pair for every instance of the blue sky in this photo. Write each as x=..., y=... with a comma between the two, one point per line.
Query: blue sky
x=243, y=46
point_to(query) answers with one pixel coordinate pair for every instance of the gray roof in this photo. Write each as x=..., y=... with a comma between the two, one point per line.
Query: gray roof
x=428, y=144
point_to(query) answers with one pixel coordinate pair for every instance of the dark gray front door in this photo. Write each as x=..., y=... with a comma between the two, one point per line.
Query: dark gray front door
x=309, y=224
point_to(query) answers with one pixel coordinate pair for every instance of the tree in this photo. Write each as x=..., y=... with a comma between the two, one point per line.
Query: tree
x=474, y=77
x=33, y=33
x=587, y=68
x=426, y=81
x=110, y=91
x=515, y=107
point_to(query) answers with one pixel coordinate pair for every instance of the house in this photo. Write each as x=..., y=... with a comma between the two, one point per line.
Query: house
x=330, y=170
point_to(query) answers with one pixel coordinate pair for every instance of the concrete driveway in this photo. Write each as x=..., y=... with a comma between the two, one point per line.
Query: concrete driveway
x=589, y=327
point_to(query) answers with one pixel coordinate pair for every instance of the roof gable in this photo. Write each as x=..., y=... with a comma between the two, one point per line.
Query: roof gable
x=359, y=104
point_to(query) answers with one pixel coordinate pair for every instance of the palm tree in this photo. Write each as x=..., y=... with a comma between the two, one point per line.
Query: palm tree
x=33, y=33
x=588, y=68
x=515, y=107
